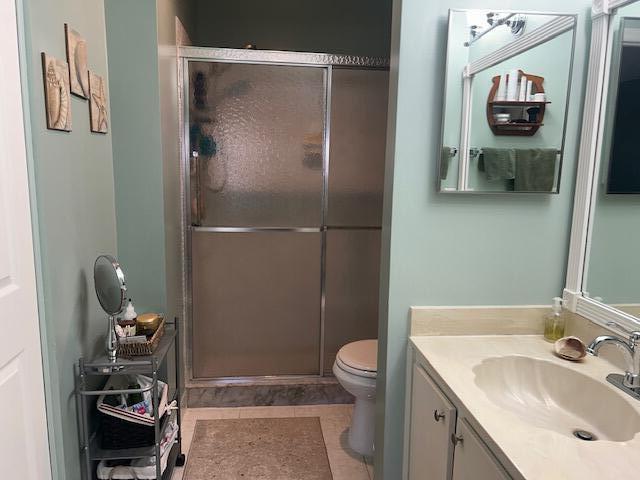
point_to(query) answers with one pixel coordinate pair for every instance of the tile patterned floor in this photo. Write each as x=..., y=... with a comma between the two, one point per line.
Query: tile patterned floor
x=345, y=463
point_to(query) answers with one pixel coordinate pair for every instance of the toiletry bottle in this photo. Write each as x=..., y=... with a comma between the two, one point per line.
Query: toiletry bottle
x=555, y=322
x=128, y=321
x=130, y=312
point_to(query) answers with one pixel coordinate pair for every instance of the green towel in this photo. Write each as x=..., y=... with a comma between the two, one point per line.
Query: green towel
x=535, y=169
x=499, y=163
x=445, y=160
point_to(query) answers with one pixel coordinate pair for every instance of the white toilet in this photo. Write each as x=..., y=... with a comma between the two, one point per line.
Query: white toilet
x=356, y=369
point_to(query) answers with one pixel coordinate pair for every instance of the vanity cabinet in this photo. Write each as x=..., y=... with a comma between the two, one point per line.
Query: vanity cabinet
x=433, y=420
x=443, y=445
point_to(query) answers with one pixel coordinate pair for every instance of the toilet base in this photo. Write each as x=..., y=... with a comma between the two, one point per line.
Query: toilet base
x=362, y=430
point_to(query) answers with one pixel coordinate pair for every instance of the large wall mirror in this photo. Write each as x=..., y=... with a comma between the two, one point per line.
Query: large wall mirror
x=505, y=102
x=603, y=280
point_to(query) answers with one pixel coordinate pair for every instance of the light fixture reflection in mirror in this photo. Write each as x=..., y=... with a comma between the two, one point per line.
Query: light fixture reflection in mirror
x=481, y=22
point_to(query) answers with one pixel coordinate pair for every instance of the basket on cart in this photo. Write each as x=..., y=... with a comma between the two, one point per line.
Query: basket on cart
x=124, y=424
x=140, y=468
x=142, y=348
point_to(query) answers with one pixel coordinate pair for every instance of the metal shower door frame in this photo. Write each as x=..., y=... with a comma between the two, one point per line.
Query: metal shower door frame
x=254, y=57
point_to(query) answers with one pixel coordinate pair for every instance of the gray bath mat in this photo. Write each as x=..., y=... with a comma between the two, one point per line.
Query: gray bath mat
x=258, y=448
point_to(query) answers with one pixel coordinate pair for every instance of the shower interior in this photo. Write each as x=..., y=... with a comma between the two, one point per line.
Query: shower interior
x=283, y=174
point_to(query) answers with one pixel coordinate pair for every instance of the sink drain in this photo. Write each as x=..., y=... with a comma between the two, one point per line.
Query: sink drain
x=584, y=435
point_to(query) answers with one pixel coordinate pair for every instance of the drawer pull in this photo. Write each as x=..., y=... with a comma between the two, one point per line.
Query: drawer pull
x=456, y=439
x=437, y=416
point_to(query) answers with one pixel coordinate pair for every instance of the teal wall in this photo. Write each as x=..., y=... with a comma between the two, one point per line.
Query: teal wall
x=137, y=148
x=456, y=249
x=144, y=103
x=74, y=215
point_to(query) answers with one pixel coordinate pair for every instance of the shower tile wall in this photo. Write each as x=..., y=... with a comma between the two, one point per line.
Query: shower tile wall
x=256, y=292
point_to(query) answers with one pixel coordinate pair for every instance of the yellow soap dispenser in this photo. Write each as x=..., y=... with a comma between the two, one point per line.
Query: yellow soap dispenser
x=555, y=322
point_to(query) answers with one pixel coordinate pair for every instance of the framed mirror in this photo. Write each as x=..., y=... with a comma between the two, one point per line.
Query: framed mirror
x=603, y=276
x=507, y=83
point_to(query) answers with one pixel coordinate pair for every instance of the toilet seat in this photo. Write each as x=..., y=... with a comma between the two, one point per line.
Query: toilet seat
x=359, y=358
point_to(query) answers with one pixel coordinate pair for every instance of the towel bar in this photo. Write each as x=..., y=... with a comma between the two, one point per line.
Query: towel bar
x=474, y=152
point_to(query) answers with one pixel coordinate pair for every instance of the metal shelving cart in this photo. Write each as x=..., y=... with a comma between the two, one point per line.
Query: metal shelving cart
x=154, y=366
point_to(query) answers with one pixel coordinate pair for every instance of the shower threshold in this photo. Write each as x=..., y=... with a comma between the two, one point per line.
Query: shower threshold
x=266, y=391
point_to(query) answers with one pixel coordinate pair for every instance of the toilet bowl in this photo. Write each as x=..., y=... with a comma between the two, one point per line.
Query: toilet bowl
x=356, y=369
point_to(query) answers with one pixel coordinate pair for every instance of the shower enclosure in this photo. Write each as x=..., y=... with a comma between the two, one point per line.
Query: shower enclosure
x=283, y=174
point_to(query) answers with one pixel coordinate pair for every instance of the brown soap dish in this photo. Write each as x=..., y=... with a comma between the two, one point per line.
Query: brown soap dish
x=570, y=348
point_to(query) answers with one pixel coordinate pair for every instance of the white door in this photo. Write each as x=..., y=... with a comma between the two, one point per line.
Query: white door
x=472, y=458
x=24, y=450
x=433, y=419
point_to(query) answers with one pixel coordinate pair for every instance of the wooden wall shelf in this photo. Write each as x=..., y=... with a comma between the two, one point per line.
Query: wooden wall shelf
x=516, y=109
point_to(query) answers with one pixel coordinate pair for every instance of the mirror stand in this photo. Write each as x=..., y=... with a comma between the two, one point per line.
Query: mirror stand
x=112, y=340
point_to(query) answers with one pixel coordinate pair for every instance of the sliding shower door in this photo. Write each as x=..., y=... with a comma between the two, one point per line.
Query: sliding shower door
x=354, y=208
x=256, y=298
x=285, y=181
x=257, y=134
x=256, y=194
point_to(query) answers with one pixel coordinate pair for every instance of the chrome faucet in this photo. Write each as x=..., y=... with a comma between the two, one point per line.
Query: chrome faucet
x=630, y=349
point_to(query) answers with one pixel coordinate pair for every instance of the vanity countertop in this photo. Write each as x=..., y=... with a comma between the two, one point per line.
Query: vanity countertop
x=533, y=451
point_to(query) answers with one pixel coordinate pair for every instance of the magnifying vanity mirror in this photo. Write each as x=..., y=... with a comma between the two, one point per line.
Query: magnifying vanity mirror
x=111, y=289
x=507, y=83
x=603, y=277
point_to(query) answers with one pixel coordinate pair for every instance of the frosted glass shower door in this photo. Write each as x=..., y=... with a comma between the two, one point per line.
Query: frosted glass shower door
x=355, y=187
x=358, y=140
x=256, y=304
x=256, y=136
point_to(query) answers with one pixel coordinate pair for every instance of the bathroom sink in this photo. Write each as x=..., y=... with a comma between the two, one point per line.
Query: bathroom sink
x=551, y=396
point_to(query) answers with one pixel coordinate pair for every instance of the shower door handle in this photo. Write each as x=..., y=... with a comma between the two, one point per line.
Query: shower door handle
x=194, y=173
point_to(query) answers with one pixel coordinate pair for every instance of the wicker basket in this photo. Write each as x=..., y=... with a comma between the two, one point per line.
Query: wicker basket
x=146, y=348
